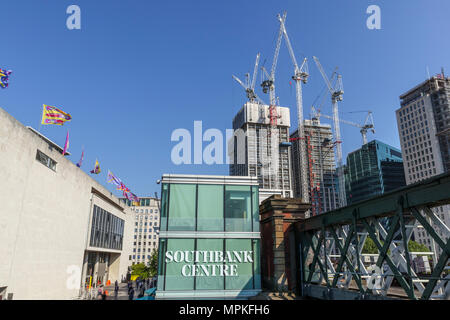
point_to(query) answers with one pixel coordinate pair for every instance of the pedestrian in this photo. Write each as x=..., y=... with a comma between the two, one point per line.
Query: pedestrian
x=100, y=293
x=104, y=294
x=131, y=294
x=116, y=290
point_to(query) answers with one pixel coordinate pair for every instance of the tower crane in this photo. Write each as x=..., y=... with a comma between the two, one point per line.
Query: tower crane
x=268, y=85
x=300, y=75
x=336, y=95
x=368, y=123
x=249, y=87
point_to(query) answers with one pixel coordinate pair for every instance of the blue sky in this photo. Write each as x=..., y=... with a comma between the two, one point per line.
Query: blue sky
x=137, y=70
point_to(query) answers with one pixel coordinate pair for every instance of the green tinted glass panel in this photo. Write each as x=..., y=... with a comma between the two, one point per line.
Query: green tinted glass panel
x=209, y=282
x=161, y=255
x=256, y=264
x=255, y=200
x=174, y=279
x=182, y=207
x=210, y=208
x=164, y=205
x=238, y=208
x=244, y=279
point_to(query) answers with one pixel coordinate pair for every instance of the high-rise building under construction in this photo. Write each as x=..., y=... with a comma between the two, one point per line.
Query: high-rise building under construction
x=321, y=167
x=251, y=148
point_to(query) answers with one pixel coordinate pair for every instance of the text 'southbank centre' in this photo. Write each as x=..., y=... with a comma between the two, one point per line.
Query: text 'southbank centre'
x=209, y=238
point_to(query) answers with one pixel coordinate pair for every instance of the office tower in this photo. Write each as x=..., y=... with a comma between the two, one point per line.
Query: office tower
x=251, y=149
x=146, y=228
x=321, y=171
x=423, y=122
x=372, y=170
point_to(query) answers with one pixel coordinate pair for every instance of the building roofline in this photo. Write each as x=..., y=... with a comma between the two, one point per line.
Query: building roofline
x=50, y=142
x=421, y=85
x=209, y=179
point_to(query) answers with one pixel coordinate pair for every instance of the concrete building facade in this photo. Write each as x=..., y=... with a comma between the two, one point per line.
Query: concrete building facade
x=146, y=228
x=58, y=226
x=423, y=122
x=321, y=166
x=250, y=149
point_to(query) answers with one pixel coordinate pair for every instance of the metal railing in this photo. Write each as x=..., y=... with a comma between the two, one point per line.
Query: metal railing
x=331, y=247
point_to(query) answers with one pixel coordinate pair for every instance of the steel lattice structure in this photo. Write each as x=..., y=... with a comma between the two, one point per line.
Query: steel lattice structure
x=330, y=247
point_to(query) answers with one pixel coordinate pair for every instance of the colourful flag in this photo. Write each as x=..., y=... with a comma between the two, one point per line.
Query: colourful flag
x=134, y=197
x=114, y=180
x=81, y=159
x=66, y=145
x=53, y=115
x=4, y=78
x=96, y=169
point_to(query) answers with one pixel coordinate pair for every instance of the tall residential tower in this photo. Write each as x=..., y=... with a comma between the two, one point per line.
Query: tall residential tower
x=321, y=167
x=423, y=122
x=250, y=150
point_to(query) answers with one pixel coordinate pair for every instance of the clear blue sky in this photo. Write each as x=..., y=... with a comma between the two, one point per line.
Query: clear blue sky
x=137, y=70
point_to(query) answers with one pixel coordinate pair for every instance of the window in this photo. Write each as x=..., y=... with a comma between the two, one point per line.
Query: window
x=106, y=230
x=45, y=160
x=210, y=208
x=238, y=213
x=182, y=207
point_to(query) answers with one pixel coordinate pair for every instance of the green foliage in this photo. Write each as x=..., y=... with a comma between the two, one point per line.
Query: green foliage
x=371, y=248
x=153, y=264
x=146, y=271
x=417, y=247
x=140, y=270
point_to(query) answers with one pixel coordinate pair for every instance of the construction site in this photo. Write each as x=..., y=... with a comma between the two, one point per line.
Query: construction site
x=304, y=163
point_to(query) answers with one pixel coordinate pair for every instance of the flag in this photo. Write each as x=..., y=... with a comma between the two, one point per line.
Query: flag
x=81, y=159
x=4, y=78
x=134, y=197
x=114, y=180
x=127, y=195
x=53, y=115
x=66, y=145
x=96, y=169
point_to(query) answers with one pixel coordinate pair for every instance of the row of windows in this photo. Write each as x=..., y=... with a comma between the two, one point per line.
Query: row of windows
x=413, y=108
x=143, y=243
x=139, y=257
x=422, y=174
x=191, y=207
x=106, y=230
x=145, y=210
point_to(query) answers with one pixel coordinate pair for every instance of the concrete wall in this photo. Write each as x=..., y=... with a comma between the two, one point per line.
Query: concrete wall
x=44, y=215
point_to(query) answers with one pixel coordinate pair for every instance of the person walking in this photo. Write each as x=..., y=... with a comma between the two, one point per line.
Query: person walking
x=116, y=289
x=131, y=294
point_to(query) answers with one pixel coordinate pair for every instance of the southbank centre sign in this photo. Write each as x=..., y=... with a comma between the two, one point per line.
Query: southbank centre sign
x=209, y=240
x=209, y=263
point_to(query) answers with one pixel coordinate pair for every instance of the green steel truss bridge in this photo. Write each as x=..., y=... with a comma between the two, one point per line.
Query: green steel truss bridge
x=332, y=265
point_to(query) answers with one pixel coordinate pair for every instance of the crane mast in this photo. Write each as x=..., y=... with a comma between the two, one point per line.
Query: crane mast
x=336, y=95
x=300, y=75
x=268, y=85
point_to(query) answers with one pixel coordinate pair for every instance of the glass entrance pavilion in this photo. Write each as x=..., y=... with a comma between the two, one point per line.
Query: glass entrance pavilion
x=209, y=242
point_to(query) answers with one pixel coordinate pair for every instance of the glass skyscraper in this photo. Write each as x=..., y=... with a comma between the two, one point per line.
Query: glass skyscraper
x=209, y=239
x=372, y=170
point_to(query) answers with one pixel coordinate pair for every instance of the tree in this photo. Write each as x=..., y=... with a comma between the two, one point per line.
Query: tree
x=146, y=271
x=153, y=264
x=417, y=247
x=141, y=270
